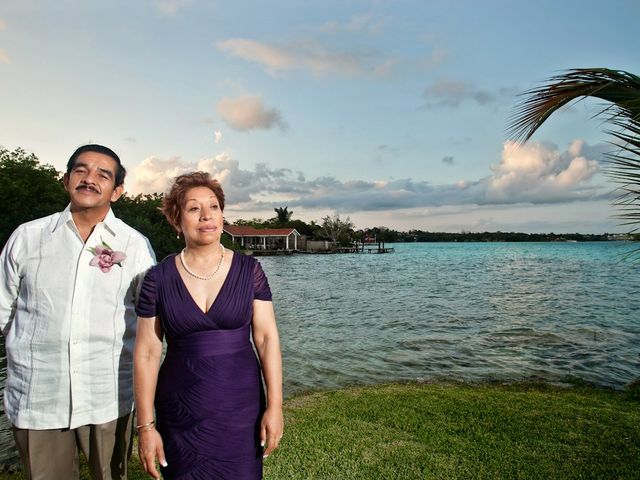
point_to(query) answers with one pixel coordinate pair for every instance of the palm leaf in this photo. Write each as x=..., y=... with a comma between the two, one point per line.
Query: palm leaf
x=615, y=86
x=622, y=91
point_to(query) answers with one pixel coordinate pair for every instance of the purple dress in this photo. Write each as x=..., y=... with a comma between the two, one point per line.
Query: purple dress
x=209, y=397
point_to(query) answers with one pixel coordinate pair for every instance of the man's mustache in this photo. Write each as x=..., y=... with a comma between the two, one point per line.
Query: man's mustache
x=87, y=187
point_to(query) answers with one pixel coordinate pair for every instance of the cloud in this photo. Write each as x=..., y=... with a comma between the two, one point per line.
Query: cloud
x=274, y=59
x=218, y=136
x=448, y=160
x=171, y=7
x=2, y=24
x=452, y=93
x=307, y=55
x=4, y=58
x=536, y=174
x=247, y=112
x=154, y=175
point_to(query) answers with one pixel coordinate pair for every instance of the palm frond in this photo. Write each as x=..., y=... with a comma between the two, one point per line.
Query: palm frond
x=622, y=91
x=615, y=86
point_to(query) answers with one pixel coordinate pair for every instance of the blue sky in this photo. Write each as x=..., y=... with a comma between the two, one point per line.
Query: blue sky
x=390, y=112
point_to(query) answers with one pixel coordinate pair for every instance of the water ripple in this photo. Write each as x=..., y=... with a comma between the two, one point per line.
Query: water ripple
x=467, y=311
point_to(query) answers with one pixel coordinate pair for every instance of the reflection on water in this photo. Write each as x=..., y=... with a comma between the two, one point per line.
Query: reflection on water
x=470, y=311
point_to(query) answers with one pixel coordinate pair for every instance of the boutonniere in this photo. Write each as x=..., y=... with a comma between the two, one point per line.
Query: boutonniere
x=106, y=257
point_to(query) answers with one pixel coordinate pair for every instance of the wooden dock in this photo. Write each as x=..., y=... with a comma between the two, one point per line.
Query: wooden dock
x=378, y=250
x=357, y=249
x=267, y=253
x=365, y=249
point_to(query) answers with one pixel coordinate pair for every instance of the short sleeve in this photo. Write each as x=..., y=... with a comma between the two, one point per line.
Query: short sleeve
x=262, y=290
x=146, y=306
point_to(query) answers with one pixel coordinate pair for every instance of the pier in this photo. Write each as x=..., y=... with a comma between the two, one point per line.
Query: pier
x=357, y=249
x=364, y=249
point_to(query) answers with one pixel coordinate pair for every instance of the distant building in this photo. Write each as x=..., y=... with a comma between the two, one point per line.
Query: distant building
x=263, y=238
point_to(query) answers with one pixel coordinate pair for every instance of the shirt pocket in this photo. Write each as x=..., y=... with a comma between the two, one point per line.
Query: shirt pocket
x=47, y=325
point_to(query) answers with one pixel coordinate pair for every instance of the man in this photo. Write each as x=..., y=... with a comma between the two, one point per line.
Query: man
x=67, y=293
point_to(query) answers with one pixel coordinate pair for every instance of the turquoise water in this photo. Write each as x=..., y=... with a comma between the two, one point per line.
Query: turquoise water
x=467, y=311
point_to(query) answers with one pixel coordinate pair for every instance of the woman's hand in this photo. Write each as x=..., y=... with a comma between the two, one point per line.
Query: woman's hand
x=149, y=447
x=271, y=428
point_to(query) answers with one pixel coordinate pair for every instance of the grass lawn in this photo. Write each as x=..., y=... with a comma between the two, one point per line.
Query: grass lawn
x=456, y=431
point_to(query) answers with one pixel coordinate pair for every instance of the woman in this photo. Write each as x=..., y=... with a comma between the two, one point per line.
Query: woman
x=213, y=421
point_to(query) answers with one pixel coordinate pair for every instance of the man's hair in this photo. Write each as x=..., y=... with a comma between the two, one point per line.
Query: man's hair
x=173, y=201
x=120, y=170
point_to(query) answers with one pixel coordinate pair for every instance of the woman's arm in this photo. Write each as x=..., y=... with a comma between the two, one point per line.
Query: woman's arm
x=146, y=364
x=267, y=342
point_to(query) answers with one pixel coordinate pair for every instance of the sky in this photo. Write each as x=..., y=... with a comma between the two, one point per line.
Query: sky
x=393, y=113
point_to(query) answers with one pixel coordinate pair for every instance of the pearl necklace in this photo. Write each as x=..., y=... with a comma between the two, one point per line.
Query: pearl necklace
x=200, y=277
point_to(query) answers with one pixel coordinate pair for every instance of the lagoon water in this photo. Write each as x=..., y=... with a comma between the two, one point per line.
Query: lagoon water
x=468, y=311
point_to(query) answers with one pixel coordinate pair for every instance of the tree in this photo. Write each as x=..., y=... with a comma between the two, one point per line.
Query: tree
x=142, y=212
x=283, y=215
x=28, y=190
x=622, y=90
x=254, y=222
x=337, y=229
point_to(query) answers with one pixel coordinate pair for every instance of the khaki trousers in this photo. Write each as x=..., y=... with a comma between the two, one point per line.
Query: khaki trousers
x=54, y=454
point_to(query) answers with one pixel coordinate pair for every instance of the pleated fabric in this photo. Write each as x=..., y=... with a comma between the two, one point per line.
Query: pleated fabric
x=209, y=397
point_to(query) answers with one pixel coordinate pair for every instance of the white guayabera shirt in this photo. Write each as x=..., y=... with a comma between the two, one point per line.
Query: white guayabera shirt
x=69, y=326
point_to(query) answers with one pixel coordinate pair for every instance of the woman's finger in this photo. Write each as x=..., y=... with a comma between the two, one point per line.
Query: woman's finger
x=161, y=457
x=148, y=449
x=263, y=435
x=273, y=440
x=152, y=470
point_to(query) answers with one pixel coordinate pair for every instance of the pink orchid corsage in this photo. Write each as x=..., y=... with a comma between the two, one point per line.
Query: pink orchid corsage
x=106, y=257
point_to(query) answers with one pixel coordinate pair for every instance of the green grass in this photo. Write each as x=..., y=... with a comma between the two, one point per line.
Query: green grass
x=456, y=431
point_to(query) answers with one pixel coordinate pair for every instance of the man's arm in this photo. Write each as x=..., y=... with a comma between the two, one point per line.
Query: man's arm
x=9, y=282
x=145, y=259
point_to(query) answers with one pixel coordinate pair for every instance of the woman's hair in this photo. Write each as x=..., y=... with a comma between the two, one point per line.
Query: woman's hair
x=173, y=200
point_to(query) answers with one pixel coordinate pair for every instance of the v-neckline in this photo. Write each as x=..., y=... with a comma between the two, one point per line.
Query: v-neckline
x=184, y=285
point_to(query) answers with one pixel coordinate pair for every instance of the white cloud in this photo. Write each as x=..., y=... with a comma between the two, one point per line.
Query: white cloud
x=171, y=7
x=2, y=24
x=306, y=55
x=218, y=136
x=154, y=175
x=247, y=112
x=535, y=174
x=4, y=58
x=274, y=59
x=538, y=173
